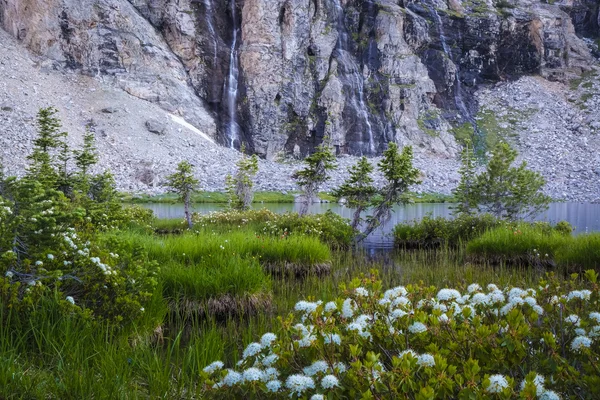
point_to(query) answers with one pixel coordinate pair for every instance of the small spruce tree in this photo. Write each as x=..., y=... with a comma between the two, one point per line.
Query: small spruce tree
x=399, y=173
x=85, y=158
x=466, y=192
x=314, y=174
x=240, y=187
x=43, y=159
x=358, y=189
x=184, y=184
x=508, y=192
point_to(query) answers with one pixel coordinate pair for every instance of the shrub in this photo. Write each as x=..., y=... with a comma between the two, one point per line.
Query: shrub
x=527, y=244
x=330, y=228
x=418, y=342
x=434, y=232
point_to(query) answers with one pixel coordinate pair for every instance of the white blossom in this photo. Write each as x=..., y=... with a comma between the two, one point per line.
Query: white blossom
x=252, y=375
x=549, y=395
x=474, y=287
x=417, y=327
x=426, y=360
x=267, y=339
x=274, y=386
x=251, y=350
x=497, y=384
x=329, y=382
x=316, y=367
x=299, y=383
x=448, y=294
x=580, y=342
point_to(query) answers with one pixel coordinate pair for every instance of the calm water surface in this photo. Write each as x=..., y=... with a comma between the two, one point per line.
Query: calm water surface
x=585, y=217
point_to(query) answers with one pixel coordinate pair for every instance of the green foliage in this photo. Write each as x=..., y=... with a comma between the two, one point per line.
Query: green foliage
x=184, y=184
x=537, y=244
x=43, y=160
x=85, y=159
x=399, y=173
x=582, y=252
x=330, y=228
x=358, y=190
x=466, y=193
x=49, y=245
x=509, y=192
x=409, y=342
x=314, y=174
x=240, y=186
x=517, y=244
x=435, y=232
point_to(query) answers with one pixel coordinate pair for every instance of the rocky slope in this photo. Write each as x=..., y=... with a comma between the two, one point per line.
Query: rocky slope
x=279, y=75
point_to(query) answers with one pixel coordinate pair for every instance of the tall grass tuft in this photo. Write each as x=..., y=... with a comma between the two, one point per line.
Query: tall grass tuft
x=522, y=244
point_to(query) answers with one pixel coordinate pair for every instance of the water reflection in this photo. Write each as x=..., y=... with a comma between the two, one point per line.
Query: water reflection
x=585, y=217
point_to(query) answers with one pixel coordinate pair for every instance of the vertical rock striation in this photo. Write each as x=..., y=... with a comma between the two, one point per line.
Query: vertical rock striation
x=281, y=75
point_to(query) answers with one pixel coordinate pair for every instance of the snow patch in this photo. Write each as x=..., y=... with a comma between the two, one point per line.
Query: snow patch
x=191, y=127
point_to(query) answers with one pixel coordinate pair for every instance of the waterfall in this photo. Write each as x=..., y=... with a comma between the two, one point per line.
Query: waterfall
x=353, y=72
x=458, y=98
x=232, y=82
x=211, y=28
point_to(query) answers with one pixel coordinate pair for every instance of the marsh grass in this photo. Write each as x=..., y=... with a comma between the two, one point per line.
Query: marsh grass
x=580, y=253
x=537, y=246
x=57, y=356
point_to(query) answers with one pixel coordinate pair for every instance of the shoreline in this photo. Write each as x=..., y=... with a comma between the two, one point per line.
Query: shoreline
x=260, y=197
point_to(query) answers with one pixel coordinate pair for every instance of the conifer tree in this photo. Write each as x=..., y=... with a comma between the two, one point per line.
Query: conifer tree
x=466, y=192
x=184, y=184
x=509, y=192
x=84, y=160
x=314, y=174
x=358, y=189
x=240, y=186
x=49, y=139
x=399, y=174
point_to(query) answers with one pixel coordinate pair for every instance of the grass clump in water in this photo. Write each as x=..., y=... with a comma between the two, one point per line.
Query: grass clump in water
x=520, y=244
x=330, y=228
x=435, y=232
x=582, y=252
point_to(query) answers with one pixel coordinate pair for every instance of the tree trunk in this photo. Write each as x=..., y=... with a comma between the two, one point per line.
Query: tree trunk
x=186, y=205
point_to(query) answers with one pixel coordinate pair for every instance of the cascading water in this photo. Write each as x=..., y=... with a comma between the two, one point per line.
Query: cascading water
x=353, y=72
x=211, y=28
x=458, y=98
x=231, y=88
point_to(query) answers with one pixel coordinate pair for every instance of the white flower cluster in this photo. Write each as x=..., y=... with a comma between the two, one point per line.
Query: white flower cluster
x=406, y=319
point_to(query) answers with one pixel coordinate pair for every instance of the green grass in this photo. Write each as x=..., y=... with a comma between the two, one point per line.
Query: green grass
x=582, y=252
x=207, y=197
x=206, y=247
x=536, y=245
x=268, y=197
x=520, y=244
x=439, y=232
x=58, y=356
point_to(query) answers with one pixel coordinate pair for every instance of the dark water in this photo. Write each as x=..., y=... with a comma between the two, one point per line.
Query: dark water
x=585, y=217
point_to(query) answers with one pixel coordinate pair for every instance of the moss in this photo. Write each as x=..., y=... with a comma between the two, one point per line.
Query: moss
x=463, y=132
x=427, y=120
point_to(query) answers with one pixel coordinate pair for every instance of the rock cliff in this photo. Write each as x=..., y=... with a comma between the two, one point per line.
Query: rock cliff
x=279, y=75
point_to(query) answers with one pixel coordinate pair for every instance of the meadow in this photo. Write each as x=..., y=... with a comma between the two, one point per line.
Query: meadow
x=237, y=276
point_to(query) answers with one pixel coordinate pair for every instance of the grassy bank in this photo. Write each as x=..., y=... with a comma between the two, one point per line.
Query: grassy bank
x=58, y=356
x=260, y=197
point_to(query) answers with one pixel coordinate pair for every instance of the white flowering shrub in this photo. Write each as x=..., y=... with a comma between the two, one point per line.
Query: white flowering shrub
x=329, y=227
x=419, y=342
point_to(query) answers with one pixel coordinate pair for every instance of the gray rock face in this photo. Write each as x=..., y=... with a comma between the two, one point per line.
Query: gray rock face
x=361, y=72
x=111, y=39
